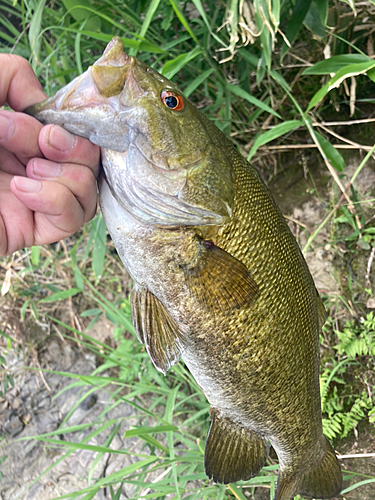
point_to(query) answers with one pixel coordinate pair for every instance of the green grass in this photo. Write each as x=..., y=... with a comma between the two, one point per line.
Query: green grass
x=260, y=92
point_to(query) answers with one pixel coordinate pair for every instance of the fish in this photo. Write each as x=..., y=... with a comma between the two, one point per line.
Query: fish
x=218, y=278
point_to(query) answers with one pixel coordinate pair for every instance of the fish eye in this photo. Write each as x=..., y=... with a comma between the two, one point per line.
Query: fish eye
x=172, y=100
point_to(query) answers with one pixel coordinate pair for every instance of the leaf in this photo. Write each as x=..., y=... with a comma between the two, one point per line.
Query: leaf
x=200, y=9
x=147, y=21
x=91, y=312
x=77, y=272
x=35, y=254
x=64, y=294
x=331, y=153
x=341, y=75
x=274, y=133
x=7, y=282
x=237, y=491
x=128, y=42
x=363, y=244
x=23, y=310
x=250, y=58
x=78, y=10
x=197, y=82
x=172, y=67
x=335, y=63
x=252, y=100
x=300, y=10
x=371, y=74
x=313, y=22
x=351, y=3
x=322, y=6
x=177, y=9
x=34, y=29
x=357, y=485
x=140, y=431
x=98, y=251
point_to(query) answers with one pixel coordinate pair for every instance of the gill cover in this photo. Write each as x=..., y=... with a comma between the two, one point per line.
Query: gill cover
x=158, y=156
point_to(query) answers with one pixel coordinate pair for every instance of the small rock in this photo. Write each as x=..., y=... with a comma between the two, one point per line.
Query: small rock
x=371, y=303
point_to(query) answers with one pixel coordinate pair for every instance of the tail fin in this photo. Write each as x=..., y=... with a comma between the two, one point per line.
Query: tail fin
x=324, y=481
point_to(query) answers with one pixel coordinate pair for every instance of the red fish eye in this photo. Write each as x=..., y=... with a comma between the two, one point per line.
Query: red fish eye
x=172, y=100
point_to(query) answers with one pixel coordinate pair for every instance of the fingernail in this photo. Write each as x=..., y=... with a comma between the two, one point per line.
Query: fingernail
x=27, y=185
x=6, y=128
x=45, y=168
x=60, y=139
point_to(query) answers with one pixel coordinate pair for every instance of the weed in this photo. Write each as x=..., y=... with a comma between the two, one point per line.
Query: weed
x=342, y=406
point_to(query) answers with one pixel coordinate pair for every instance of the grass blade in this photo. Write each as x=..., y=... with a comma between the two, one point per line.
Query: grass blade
x=172, y=67
x=64, y=294
x=146, y=23
x=274, y=133
x=251, y=99
x=341, y=75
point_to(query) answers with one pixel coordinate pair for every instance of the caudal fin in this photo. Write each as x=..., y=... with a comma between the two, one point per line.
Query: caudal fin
x=324, y=481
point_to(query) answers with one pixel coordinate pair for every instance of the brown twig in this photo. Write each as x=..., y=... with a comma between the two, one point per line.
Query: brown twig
x=343, y=139
x=311, y=146
x=357, y=455
x=369, y=264
x=349, y=122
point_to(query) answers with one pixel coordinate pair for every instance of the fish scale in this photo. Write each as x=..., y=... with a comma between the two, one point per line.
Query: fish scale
x=219, y=279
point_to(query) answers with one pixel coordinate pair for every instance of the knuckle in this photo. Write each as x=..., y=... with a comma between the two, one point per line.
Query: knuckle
x=20, y=62
x=85, y=177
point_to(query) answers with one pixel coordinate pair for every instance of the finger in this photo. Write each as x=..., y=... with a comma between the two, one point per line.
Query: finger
x=19, y=86
x=60, y=146
x=10, y=164
x=57, y=212
x=15, y=219
x=80, y=181
x=19, y=135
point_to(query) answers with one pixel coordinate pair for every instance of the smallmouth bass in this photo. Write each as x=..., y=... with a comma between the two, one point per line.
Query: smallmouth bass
x=219, y=279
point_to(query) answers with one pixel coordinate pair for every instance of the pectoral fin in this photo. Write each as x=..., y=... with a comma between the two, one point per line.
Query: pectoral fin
x=218, y=280
x=163, y=337
x=233, y=453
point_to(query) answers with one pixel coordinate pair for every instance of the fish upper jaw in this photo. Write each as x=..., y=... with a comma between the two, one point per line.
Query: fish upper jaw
x=91, y=105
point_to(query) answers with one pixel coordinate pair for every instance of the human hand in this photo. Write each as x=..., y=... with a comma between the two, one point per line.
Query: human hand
x=47, y=175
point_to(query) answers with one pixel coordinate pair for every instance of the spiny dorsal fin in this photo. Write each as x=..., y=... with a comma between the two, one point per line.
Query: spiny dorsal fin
x=232, y=453
x=218, y=280
x=163, y=337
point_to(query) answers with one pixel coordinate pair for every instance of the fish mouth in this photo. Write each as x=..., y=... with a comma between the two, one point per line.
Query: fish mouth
x=91, y=105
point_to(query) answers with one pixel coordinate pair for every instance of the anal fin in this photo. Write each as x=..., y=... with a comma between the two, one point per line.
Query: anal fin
x=163, y=336
x=233, y=453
